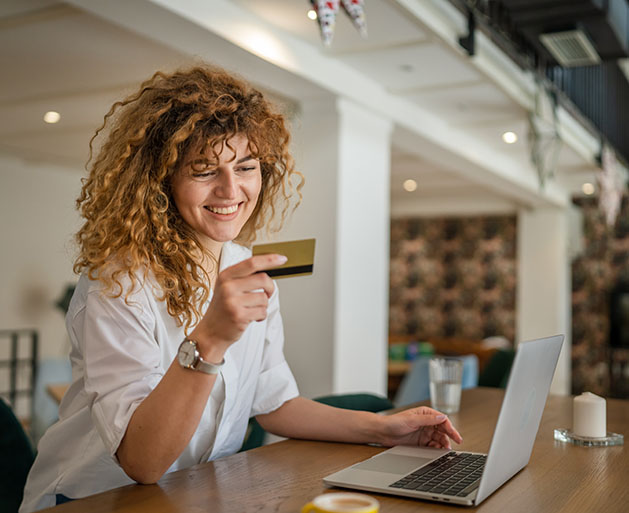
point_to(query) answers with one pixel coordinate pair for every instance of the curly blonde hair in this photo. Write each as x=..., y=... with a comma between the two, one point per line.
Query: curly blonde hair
x=131, y=222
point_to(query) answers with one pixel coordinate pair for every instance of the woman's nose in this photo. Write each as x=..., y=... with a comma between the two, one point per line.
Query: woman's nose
x=226, y=185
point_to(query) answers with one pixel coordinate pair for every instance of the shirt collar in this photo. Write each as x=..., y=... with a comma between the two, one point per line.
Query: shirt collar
x=231, y=254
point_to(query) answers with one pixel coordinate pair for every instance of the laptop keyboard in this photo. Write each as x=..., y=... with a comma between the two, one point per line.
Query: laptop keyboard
x=455, y=474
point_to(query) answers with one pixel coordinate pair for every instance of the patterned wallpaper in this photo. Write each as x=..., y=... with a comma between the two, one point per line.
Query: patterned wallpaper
x=452, y=277
x=603, y=264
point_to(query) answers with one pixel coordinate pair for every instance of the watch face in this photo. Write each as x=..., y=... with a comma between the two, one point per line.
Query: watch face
x=187, y=354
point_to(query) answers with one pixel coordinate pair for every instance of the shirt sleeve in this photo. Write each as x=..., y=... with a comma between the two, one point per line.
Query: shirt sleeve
x=122, y=360
x=276, y=383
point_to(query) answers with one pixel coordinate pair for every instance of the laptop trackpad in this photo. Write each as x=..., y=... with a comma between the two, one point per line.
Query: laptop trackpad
x=393, y=463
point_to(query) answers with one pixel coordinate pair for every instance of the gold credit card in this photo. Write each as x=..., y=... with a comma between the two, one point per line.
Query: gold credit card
x=300, y=254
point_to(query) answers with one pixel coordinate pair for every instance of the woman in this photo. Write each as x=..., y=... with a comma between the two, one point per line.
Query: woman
x=176, y=335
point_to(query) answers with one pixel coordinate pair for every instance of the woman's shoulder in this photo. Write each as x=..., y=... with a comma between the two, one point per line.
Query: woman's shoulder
x=116, y=279
x=132, y=286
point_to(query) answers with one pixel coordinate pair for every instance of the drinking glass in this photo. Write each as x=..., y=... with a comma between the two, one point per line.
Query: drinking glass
x=445, y=384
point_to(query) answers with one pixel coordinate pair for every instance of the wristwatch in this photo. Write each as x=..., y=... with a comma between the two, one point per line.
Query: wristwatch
x=189, y=358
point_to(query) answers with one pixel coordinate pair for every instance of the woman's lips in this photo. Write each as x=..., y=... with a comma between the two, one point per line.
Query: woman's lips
x=225, y=213
x=223, y=210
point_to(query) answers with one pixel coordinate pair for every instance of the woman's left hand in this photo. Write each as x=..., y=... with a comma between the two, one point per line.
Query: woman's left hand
x=419, y=426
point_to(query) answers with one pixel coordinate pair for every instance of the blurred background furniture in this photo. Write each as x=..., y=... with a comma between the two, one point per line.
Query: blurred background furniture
x=496, y=372
x=53, y=379
x=24, y=379
x=18, y=370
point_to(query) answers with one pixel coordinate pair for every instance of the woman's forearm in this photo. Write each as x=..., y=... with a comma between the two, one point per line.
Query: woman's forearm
x=306, y=419
x=163, y=424
x=302, y=418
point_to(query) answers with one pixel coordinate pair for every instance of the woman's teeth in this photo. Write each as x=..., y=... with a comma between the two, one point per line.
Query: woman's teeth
x=223, y=210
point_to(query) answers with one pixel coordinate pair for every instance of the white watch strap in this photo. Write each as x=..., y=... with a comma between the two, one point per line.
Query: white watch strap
x=207, y=367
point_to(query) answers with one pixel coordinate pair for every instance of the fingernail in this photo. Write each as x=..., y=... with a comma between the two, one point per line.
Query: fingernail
x=441, y=417
x=281, y=259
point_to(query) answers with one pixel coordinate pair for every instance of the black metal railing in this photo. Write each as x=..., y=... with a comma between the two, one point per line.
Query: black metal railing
x=598, y=95
x=601, y=93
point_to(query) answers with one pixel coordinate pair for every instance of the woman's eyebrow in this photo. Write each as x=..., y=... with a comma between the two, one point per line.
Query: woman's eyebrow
x=244, y=159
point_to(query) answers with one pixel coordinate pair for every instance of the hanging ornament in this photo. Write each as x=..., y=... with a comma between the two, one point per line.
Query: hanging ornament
x=326, y=16
x=612, y=186
x=355, y=9
x=543, y=135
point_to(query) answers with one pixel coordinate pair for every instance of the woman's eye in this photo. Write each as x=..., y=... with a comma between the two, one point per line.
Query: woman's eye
x=251, y=168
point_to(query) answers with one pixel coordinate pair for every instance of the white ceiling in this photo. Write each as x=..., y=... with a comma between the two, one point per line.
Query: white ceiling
x=62, y=58
x=388, y=26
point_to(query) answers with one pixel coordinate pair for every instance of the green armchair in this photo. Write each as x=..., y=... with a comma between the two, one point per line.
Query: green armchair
x=16, y=460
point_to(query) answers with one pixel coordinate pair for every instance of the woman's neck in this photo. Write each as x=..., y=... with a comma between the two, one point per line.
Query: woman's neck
x=211, y=264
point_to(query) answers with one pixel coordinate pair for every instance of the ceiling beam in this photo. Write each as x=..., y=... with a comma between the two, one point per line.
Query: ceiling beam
x=223, y=32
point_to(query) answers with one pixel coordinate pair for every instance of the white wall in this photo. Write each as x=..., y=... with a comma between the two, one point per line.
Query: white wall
x=38, y=220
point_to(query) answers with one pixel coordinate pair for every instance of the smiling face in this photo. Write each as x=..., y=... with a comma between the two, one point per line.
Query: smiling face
x=217, y=198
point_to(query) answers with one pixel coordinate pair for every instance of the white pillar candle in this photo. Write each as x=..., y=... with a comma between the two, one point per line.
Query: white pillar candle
x=589, y=416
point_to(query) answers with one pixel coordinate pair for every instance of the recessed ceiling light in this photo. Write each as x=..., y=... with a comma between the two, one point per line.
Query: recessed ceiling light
x=52, y=117
x=312, y=14
x=409, y=185
x=587, y=188
x=509, y=137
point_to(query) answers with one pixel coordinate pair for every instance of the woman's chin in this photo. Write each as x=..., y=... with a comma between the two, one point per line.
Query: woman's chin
x=216, y=239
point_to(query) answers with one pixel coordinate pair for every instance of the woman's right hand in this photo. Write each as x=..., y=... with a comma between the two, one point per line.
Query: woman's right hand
x=241, y=296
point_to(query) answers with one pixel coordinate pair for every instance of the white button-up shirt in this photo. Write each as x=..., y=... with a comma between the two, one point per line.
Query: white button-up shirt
x=120, y=351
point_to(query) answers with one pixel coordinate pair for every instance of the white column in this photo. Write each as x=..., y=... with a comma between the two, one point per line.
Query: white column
x=336, y=320
x=544, y=284
x=362, y=249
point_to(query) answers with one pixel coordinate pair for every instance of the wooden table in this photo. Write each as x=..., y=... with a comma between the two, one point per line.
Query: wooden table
x=57, y=391
x=282, y=477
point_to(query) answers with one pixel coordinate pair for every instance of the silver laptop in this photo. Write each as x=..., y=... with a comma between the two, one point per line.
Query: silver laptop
x=468, y=478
